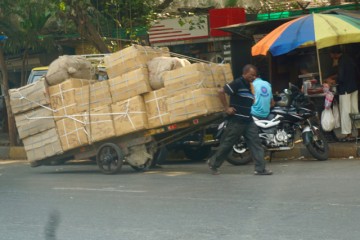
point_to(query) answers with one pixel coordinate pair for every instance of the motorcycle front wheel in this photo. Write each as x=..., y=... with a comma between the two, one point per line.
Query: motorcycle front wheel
x=318, y=146
x=236, y=158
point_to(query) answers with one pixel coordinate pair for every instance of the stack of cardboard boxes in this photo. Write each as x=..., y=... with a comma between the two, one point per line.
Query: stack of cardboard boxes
x=79, y=112
x=35, y=120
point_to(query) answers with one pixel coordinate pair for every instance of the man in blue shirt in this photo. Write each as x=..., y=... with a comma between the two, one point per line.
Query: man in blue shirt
x=263, y=99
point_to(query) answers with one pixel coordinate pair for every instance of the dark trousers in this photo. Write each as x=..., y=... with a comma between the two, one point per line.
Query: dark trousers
x=231, y=135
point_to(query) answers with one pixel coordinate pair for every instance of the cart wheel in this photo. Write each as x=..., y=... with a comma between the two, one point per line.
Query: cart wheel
x=109, y=158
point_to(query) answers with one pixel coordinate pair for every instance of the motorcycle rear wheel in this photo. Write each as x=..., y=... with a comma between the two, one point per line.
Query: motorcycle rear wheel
x=238, y=159
x=318, y=146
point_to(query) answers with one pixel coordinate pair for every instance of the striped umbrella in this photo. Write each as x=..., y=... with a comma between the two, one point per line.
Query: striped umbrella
x=321, y=30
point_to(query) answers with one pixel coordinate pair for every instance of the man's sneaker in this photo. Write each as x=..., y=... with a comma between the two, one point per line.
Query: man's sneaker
x=214, y=171
x=264, y=172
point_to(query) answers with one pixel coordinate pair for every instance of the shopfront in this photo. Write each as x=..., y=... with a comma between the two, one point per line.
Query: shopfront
x=198, y=36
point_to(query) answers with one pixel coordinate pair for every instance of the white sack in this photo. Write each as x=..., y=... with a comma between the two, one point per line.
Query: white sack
x=66, y=67
x=159, y=65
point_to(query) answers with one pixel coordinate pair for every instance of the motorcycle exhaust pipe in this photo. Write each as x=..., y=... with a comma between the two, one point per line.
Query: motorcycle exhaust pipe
x=199, y=143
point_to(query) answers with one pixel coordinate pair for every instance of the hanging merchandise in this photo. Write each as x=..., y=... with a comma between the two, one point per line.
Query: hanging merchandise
x=329, y=96
x=327, y=120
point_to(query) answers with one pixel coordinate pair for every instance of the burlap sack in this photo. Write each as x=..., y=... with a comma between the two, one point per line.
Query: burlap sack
x=159, y=65
x=66, y=67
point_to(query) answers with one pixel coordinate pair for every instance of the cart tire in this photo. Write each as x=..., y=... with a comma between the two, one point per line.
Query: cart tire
x=197, y=153
x=109, y=158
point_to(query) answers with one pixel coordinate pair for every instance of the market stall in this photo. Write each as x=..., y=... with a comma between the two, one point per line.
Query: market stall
x=298, y=50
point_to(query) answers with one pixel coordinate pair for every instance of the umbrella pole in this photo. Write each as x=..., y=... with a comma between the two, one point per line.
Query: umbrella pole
x=319, y=65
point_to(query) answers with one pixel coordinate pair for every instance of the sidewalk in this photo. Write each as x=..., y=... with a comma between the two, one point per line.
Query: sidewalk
x=7, y=152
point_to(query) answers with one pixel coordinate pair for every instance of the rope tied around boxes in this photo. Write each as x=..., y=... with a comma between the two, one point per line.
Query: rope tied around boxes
x=31, y=101
x=76, y=131
x=127, y=113
x=156, y=99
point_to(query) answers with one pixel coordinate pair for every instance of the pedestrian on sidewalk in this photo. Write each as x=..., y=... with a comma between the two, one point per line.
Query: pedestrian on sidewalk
x=240, y=122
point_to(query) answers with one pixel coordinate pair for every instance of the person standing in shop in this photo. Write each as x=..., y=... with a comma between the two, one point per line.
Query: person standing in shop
x=346, y=74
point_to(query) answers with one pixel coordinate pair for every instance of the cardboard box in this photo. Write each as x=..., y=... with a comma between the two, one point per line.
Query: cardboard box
x=34, y=121
x=194, y=76
x=129, y=115
x=132, y=58
x=62, y=96
x=29, y=97
x=195, y=103
x=222, y=74
x=92, y=96
x=72, y=132
x=99, y=123
x=156, y=108
x=42, y=145
x=129, y=85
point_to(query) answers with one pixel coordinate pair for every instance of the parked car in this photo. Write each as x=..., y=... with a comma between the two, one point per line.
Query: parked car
x=36, y=74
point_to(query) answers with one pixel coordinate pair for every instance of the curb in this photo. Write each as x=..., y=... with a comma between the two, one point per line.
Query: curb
x=12, y=153
x=337, y=150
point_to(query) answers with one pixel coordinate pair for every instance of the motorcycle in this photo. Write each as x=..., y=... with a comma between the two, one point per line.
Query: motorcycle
x=292, y=113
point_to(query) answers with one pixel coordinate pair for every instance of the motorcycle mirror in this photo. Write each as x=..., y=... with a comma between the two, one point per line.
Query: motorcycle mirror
x=287, y=91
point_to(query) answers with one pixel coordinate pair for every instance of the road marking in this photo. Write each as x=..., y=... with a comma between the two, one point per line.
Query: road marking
x=98, y=189
x=169, y=173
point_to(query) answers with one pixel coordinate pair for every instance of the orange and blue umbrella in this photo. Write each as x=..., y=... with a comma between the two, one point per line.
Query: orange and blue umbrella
x=320, y=30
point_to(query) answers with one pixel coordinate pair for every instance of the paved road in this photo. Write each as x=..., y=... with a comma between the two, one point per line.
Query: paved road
x=304, y=200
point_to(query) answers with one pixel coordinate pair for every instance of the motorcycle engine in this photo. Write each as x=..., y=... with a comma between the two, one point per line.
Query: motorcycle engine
x=281, y=136
x=276, y=138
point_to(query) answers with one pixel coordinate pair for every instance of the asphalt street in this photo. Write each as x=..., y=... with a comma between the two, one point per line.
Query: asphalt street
x=304, y=199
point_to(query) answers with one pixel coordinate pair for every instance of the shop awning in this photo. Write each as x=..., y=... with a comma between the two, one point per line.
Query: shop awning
x=349, y=13
x=249, y=29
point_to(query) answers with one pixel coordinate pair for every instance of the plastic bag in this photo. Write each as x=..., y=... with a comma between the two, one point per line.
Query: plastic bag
x=329, y=96
x=336, y=114
x=327, y=120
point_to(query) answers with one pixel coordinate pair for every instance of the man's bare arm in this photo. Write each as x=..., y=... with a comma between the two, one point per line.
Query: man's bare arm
x=222, y=96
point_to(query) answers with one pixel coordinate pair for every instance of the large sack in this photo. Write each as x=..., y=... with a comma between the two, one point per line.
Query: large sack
x=157, y=66
x=66, y=67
